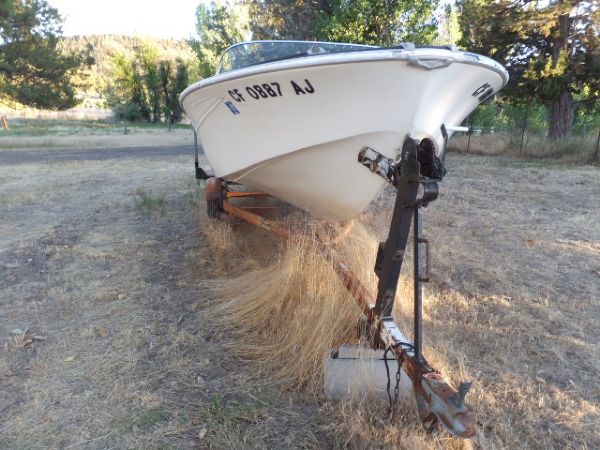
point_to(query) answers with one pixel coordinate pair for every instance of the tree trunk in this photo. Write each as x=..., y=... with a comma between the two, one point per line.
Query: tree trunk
x=561, y=116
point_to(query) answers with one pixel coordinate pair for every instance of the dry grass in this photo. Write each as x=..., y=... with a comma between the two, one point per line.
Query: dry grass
x=292, y=312
x=140, y=138
x=495, y=313
x=286, y=315
x=129, y=360
x=575, y=149
x=512, y=306
x=365, y=426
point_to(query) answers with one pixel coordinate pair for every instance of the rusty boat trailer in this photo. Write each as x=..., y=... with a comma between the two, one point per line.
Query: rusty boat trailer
x=437, y=402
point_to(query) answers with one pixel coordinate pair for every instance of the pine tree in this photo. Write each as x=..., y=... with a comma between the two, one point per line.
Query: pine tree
x=551, y=49
x=33, y=71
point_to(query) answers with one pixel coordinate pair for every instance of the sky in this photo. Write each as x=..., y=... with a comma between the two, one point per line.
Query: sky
x=156, y=18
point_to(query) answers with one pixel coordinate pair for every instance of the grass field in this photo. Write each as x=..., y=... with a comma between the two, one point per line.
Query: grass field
x=50, y=133
x=110, y=270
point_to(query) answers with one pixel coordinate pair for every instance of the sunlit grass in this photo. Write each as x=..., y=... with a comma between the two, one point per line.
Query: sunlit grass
x=55, y=127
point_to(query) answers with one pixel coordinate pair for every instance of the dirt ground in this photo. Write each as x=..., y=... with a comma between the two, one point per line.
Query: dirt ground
x=107, y=341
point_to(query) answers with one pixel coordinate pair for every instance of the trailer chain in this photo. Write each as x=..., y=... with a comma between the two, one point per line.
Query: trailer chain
x=393, y=403
x=397, y=390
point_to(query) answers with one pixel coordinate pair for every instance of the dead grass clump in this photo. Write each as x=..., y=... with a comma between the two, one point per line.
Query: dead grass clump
x=219, y=234
x=225, y=248
x=293, y=312
x=359, y=426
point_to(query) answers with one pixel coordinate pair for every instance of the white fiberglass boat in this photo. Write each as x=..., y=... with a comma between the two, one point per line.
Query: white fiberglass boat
x=294, y=118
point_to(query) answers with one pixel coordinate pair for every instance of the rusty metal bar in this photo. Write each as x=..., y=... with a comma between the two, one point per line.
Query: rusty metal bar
x=240, y=194
x=395, y=245
x=339, y=238
x=260, y=208
x=257, y=220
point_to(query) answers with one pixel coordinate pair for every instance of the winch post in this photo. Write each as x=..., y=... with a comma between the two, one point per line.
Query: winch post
x=391, y=253
x=418, y=287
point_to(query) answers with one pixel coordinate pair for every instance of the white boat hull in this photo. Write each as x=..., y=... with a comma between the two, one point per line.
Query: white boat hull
x=294, y=128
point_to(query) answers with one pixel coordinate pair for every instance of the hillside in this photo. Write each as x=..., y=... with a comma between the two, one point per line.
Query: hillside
x=104, y=49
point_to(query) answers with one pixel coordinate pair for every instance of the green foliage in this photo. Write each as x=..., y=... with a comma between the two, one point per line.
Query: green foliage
x=380, y=22
x=509, y=117
x=296, y=19
x=147, y=89
x=148, y=204
x=587, y=119
x=448, y=26
x=171, y=86
x=33, y=70
x=107, y=48
x=219, y=25
x=179, y=83
x=152, y=82
x=551, y=49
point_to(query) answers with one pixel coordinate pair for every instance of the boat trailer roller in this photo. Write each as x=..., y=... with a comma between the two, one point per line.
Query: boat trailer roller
x=437, y=402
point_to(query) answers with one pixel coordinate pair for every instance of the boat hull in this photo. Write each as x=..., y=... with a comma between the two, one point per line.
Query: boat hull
x=294, y=128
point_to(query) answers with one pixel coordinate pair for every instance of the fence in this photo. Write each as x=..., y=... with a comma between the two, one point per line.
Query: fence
x=521, y=130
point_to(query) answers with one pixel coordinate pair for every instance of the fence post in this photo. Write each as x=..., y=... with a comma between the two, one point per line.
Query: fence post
x=469, y=133
x=597, y=146
x=524, y=129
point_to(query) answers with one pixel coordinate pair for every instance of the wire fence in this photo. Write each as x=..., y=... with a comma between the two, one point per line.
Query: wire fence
x=522, y=130
x=516, y=142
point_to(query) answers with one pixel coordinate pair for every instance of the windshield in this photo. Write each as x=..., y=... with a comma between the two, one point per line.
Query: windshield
x=258, y=52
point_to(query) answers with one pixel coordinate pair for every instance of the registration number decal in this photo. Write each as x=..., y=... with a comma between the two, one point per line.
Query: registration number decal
x=232, y=108
x=483, y=92
x=264, y=91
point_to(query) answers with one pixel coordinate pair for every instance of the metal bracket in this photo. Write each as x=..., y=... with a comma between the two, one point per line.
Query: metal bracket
x=391, y=253
x=201, y=174
x=446, y=137
x=429, y=64
x=377, y=163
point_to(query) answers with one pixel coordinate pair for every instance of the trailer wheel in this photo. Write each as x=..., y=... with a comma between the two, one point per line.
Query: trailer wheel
x=213, y=193
x=212, y=208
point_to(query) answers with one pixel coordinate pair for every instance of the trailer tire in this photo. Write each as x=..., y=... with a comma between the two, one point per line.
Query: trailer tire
x=212, y=209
